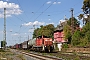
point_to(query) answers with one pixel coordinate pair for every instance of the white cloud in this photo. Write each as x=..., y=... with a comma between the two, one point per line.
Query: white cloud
x=38, y=23
x=48, y=2
x=58, y=2
x=8, y=5
x=27, y=24
x=62, y=21
x=49, y=23
x=33, y=23
x=7, y=0
x=11, y=8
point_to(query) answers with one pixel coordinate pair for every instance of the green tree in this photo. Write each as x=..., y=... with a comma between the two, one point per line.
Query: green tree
x=84, y=42
x=86, y=28
x=67, y=32
x=85, y=39
x=86, y=10
x=86, y=6
x=68, y=29
x=82, y=38
x=44, y=30
x=76, y=38
x=75, y=23
x=36, y=33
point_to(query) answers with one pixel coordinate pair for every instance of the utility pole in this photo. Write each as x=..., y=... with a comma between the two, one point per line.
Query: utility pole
x=72, y=21
x=34, y=27
x=4, y=44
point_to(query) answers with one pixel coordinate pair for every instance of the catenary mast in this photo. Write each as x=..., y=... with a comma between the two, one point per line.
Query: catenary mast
x=4, y=28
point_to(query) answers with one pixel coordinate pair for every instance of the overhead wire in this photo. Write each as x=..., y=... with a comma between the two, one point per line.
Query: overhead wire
x=44, y=10
x=25, y=14
x=22, y=8
x=24, y=11
x=21, y=17
x=38, y=10
x=37, y=16
x=70, y=8
x=20, y=20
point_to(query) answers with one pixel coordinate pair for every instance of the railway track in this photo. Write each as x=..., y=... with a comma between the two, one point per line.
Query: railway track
x=40, y=57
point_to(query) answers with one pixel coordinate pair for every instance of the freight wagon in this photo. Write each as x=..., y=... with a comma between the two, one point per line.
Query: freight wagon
x=25, y=45
x=16, y=46
x=31, y=43
x=20, y=46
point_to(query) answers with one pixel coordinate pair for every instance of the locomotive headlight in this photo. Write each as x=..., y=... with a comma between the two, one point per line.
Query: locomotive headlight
x=50, y=40
x=46, y=40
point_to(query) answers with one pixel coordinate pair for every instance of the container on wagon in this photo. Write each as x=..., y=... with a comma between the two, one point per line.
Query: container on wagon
x=31, y=42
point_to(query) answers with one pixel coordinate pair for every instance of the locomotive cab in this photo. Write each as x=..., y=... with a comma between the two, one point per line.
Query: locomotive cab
x=44, y=43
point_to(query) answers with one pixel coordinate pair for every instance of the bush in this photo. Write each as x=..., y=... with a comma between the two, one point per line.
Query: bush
x=65, y=45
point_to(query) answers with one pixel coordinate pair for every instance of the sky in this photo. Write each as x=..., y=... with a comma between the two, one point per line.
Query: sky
x=22, y=16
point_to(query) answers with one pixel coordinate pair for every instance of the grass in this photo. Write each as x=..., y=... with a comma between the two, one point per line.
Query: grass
x=21, y=57
x=1, y=50
x=5, y=54
x=9, y=55
x=66, y=56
